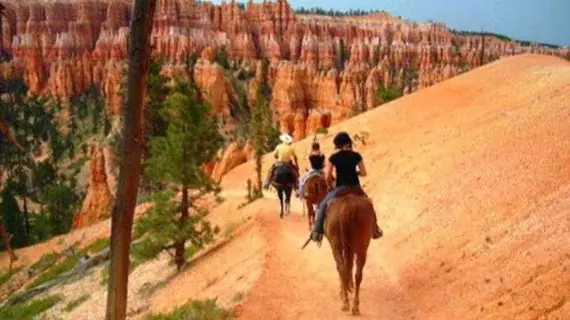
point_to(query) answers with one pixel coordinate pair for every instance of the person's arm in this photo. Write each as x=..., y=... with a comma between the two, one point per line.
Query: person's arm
x=361, y=169
x=276, y=152
x=295, y=160
x=329, y=174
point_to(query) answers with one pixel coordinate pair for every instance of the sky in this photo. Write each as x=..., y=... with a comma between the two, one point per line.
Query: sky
x=546, y=21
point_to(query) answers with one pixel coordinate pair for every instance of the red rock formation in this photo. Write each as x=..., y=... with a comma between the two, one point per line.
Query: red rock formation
x=231, y=157
x=319, y=65
x=215, y=88
x=99, y=201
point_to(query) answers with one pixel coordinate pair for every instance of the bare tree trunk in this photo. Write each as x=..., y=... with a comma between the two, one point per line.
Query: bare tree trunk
x=25, y=201
x=129, y=176
x=6, y=239
x=179, y=246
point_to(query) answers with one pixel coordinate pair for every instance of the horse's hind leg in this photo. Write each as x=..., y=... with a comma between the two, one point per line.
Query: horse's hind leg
x=311, y=214
x=360, y=262
x=349, y=263
x=288, y=192
x=340, y=267
x=280, y=195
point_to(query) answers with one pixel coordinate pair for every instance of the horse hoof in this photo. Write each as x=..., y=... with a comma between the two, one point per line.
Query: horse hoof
x=355, y=312
x=345, y=307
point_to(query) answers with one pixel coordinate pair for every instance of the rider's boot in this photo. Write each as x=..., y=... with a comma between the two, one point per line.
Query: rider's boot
x=269, y=176
x=377, y=232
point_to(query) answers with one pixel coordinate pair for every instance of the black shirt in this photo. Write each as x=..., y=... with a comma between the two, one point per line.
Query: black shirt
x=345, y=162
x=317, y=161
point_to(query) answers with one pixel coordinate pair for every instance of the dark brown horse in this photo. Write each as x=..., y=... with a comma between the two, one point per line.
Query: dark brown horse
x=314, y=191
x=348, y=227
x=284, y=180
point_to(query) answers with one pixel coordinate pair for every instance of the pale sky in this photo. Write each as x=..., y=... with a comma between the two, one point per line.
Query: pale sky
x=535, y=20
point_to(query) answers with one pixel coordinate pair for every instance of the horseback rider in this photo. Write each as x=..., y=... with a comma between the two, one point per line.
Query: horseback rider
x=284, y=154
x=317, y=160
x=344, y=161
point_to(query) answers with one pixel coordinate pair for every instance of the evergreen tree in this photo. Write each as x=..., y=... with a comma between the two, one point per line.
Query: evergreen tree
x=33, y=122
x=192, y=139
x=89, y=110
x=60, y=202
x=12, y=217
x=262, y=131
x=157, y=91
x=222, y=58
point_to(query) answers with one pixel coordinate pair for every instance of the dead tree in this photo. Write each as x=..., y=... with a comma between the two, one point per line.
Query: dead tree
x=129, y=175
x=6, y=239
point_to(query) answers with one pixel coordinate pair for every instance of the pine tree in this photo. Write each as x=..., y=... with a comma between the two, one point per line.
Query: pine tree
x=12, y=217
x=157, y=91
x=262, y=131
x=192, y=139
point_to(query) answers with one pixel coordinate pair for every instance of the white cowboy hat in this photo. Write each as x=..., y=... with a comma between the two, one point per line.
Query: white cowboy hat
x=286, y=138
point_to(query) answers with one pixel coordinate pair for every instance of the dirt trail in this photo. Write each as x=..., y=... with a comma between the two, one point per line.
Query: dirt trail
x=303, y=284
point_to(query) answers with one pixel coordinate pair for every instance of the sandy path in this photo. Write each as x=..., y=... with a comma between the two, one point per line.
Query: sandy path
x=303, y=284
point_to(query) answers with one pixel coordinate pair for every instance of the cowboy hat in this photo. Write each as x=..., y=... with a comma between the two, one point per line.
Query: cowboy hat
x=286, y=138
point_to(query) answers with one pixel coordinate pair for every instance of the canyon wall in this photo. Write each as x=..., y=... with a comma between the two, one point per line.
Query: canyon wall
x=320, y=66
x=322, y=69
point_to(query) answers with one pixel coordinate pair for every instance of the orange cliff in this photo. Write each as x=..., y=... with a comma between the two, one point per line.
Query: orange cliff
x=98, y=201
x=323, y=69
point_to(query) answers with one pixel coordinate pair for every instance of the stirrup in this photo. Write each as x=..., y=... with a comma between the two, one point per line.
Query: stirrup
x=318, y=238
x=377, y=234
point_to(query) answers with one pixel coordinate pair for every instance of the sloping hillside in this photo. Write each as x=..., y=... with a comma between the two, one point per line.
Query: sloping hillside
x=471, y=179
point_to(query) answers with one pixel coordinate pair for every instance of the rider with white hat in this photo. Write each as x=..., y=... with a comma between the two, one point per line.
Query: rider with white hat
x=283, y=153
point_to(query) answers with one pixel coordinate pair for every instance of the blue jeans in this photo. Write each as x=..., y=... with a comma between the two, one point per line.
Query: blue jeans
x=306, y=177
x=320, y=219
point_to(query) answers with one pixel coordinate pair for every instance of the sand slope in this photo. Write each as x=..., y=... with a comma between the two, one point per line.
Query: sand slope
x=471, y=179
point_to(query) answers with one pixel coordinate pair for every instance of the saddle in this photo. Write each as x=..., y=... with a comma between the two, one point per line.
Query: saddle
x=284, y=174
x=357, y=191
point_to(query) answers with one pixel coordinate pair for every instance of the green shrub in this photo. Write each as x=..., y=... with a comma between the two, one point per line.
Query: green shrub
x=77, y=165
x=96, y=247
x=105, y=276
x=6, y=276
x=195, y=310
x=238, y=297
x=76, y=302
x=222, y=58
x=56, y=270
x=46, y=261
x=388, y=94
x=29, y=310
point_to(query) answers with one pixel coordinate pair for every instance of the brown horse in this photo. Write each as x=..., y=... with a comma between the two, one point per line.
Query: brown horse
x=348, y=227
x=314, y=191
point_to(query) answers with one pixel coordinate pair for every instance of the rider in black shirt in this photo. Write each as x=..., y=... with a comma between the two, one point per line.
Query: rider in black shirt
x=317, y=160
x=345, y=161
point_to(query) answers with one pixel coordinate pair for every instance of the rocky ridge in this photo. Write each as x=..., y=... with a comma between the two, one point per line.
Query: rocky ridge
x=322, y=69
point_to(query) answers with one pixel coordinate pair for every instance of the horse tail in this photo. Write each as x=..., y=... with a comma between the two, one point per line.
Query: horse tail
x=346, y=252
